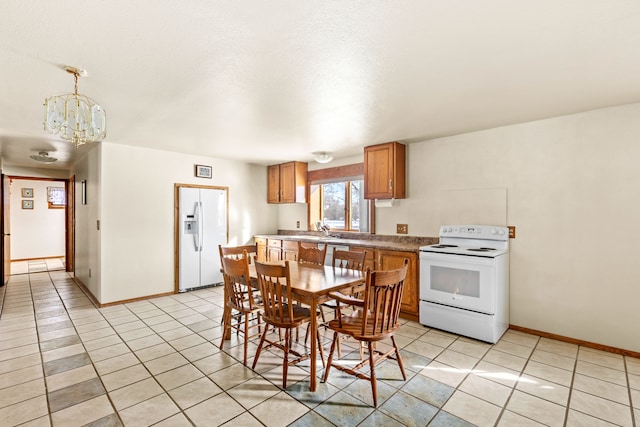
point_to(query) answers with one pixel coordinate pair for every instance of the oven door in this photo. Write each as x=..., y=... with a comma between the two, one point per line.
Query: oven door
x=460, y=281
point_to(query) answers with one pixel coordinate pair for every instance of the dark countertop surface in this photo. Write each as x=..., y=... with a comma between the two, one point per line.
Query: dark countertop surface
x=391, y=243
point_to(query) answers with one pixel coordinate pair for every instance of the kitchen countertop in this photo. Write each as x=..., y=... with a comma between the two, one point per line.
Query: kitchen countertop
x=391, y=243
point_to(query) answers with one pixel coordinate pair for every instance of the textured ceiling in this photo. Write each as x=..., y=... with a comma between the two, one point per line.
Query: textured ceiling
x=271, y=81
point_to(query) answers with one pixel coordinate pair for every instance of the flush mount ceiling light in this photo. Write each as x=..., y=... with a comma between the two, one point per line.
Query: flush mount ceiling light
x=322, y=156
x=43, y=157
x=75, y=117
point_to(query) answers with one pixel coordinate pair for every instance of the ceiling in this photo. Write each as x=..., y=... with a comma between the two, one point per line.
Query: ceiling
x=272, y=81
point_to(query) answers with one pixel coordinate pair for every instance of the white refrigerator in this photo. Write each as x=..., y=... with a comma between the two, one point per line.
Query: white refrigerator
x=203, y=226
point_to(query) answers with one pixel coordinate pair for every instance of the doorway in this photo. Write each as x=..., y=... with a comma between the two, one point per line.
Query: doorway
x=37, y=224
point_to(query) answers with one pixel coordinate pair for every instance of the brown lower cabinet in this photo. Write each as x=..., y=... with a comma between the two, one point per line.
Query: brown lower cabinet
x=378, y=259
x=389, y=260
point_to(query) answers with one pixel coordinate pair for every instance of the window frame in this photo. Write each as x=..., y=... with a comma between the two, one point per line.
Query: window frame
x=336, y=174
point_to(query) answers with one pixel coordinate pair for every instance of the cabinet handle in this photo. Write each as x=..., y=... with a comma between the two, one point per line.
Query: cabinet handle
x=391, y=184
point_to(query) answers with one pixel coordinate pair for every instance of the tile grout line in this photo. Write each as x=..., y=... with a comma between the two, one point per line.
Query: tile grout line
x=626, y=377
x=573, y=377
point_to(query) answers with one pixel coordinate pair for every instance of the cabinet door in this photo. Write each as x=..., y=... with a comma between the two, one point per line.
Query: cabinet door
x=290, y=250
x=389, y=260
x=262, y=255
x=384, y=171
x=274, y=249
x=288, y=182
x=293, y=182
x=273, y=184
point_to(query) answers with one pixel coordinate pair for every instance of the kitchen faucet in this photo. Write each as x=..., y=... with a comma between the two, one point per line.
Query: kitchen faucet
x=323, y=227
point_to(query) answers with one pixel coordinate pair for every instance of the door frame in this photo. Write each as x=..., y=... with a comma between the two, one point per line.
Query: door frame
x=177, y=228
x=69, y=219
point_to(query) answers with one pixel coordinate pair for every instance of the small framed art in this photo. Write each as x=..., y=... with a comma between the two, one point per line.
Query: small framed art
x=27, y=204
x=203, y=171
x=27, y=192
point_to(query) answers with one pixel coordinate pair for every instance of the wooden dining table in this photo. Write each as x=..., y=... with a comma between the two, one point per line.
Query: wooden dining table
x=311, y=285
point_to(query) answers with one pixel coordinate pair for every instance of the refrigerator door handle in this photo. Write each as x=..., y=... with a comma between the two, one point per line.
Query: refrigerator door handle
x=196, y=236
x=201, y=226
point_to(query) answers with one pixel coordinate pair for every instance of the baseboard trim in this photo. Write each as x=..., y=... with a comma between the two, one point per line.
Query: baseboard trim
x=124, y=301
x=583, y=343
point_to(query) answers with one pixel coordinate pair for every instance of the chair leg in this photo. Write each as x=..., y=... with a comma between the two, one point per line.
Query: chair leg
x=306, y=334
x=372, y=376
x=246, y=336
x=285, y=364
x=333, y=347
x=226, y=326
x=398, y=357
x=320, y=348
x=257, y=356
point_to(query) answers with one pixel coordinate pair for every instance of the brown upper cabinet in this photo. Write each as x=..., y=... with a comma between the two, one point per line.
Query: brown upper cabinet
x=385, y=171
x=287, y=183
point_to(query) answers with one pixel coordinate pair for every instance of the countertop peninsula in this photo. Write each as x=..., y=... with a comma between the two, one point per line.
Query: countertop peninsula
x=383, y=242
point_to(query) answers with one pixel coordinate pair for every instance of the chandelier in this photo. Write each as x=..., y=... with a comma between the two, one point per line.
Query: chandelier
x=75, y=117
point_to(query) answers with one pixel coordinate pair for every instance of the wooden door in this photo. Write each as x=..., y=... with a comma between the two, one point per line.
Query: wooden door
x=5, y=226
x=273, y=184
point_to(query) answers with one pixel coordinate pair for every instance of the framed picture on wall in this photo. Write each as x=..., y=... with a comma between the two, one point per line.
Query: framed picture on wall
x=27, y=192
x=203, y=171
x=27, y=204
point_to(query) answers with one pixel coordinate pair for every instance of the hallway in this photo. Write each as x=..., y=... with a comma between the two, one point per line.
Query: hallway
x=37, y=265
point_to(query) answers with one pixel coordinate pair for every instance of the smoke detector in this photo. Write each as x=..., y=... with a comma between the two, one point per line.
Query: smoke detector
x=43, y=157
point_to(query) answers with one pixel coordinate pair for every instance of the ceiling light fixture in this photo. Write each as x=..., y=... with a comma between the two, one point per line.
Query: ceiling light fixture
x=75, y=117
x=322, y=156
x=43, y=157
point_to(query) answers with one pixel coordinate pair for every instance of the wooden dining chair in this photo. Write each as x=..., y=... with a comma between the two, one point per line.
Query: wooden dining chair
x=376, y=319
x=281, y=311
x=239, y=300
x=239, y=251
x=351, y=260
x=311, y=255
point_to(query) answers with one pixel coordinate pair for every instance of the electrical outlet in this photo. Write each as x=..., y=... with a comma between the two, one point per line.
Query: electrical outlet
x=402, y=228
x=512, y=231
x=297, y=224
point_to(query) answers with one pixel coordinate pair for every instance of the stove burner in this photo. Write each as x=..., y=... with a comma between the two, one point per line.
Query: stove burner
x=482, y=249
x=444, y=246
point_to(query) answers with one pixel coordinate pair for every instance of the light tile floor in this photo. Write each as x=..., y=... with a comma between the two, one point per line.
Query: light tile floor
x=37, y=265
x=64, y=362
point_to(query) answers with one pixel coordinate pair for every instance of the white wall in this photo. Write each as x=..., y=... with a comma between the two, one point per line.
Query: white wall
x=572, y=192
x=137, y=214
x=37, y=232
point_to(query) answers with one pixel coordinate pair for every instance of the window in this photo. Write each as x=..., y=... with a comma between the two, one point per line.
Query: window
x=338, y=201
x=56, y=197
